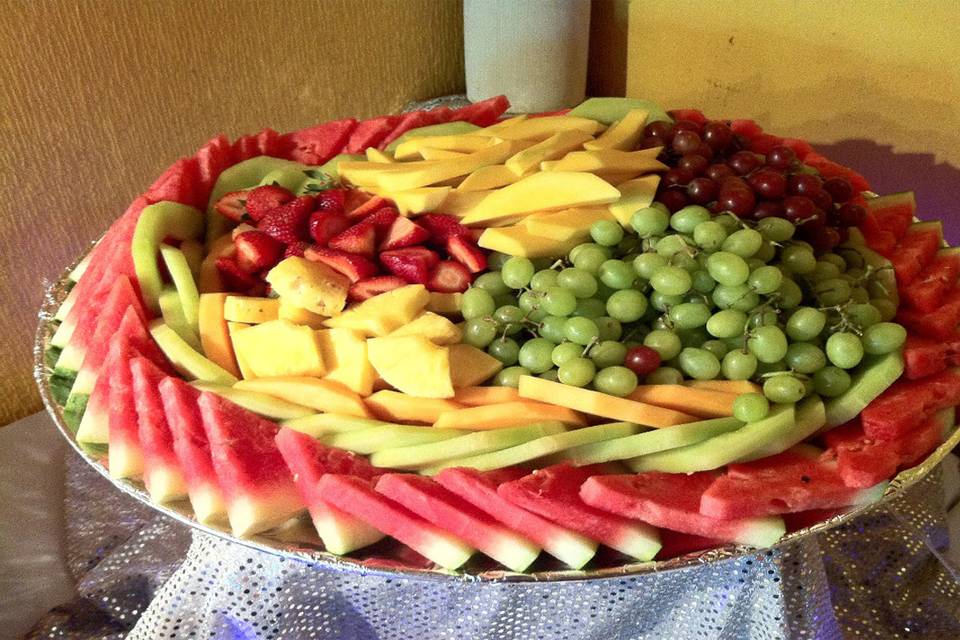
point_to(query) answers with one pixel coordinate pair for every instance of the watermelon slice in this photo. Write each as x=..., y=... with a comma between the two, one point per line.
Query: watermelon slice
x=357, y=497
x=483, y=113
x=179, y=183
x=554, y=493
x=924, y=357
x=763, y=143
x=161, y=470
x=451, y=513
x=270, y=143
x=746, y=128
x=795, y=480
x=679, y=544
x=916, y=250
x=480, y=490
x=927, y=291
x=255, y=480
x=829, y=169
x=672, y=501
x=894, y=212
x=801, y=148
x=370, y=133
x=315, y=145
x=939, y=324
x=212, y=159
x=192, y=449
x=908, y=403
x=245, y=147
x=126, y=452
x=308, y=461
x=412, y=120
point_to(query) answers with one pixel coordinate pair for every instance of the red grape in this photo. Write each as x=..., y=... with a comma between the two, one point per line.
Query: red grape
x=674, y=198
x=702, y=190
x=768, y=209
x=822, y=199
x=851, y=215
x=718, y=135
x=676, y=176
x=743, y=162
x=768, y=183
x=838, y=188
x=694, y=163
x=687, y=125
x=659, y=129
x=825, y=239
x=781, y=157
x=718, y=172
x=686, y=141
x=642, y=360
x=649, y=142
x=796, y=208
x=738, y=201
x=803, y=184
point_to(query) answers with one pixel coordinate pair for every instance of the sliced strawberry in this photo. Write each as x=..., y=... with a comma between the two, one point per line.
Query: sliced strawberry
x=233, y=277
x=383, y=218
x=288, y=222
x=370, y=287
x=324, y=225
x=466, y=253
x=449, y=277
x=442, y=227
x=262, y=200
x=331, y=200
x=296, y=249
x=257, y=251
x=352, y=265
x=361, y=238
x=357, y=208
x=243, y=227
x=404, y=233
x=413, y=264
x=232, y=205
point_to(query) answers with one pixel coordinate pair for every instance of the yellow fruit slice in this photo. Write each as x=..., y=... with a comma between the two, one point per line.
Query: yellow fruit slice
x=413, y=365
x=493, y=176
x=399, y=407
x=635, y=194
x=323, y=395
x=565, y=224
x=509, y=414
x=433, y=327
x=543, y=191
x=310, y=285
x=250, y=310
x=518, y=241
x=214, y=333
x=384, y=313
x=556, y=146
x=345, y=354
x=470, y=366
x=622, y=134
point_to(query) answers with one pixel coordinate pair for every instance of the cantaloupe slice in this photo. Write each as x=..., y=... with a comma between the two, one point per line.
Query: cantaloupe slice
x=705, y=403
x=635, y=194
x=214, y=334
x=480, y=396
x=394, y=406
x=209, y=279
x=735, y=387
x=470, y=366
x=322, y=395
x=509, y=414
x=517, y=240
x=566, y=224
x=600, y=404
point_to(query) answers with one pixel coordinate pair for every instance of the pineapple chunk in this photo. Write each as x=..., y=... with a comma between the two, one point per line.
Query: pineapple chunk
x=345, y=354
x=311, y=285
x=412, y=365
x=433, y=327
x=470, y=366
x=250, y=310
x=280, y=348
x=384, y=313
x=299, y=315
x=446, y=304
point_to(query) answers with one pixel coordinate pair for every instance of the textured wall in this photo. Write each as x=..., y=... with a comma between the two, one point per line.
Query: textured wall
x=98, y=96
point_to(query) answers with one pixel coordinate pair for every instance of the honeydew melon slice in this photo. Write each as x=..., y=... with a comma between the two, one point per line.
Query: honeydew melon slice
x=157, y=222
x=260, y=403
x=389, y=435
x=872, y=379
x=610, y=110
x=186, y=359
x=810, y=418
x=186, y=286
x=171, y=308
x=323, y=424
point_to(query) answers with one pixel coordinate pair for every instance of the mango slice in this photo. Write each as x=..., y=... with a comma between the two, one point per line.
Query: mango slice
x=518, y=241
x=543, y=191
x=623, y=134
x=556, y=146
x=635, y=194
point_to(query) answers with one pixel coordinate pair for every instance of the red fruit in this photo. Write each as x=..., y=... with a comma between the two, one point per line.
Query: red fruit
x=234, y=278
x=466, y=253
x=262, y=200
x=257, y=251
x=288, y=222
x=413, y=264
x=355, y=267
x=231, y=206
x=269, y=143
x=382, y=218
x=442, y=227
x=642, y=360
x=245, y=147
x=356, y=207
x=295, y=249
x=325, y=225
x=361, y=238
x=331, y=200
x=450, y=277
x=402, y=233
x=360, y=291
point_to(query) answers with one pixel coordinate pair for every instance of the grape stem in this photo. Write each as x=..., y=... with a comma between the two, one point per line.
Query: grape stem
x=593, y=342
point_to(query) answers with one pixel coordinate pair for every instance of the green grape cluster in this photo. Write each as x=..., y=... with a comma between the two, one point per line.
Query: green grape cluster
x=714, y=296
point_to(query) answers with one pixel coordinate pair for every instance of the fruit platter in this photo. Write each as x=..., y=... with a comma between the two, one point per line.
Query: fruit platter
x=604, y=340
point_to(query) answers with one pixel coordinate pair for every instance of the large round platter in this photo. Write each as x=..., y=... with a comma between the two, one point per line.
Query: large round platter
x=296, y=541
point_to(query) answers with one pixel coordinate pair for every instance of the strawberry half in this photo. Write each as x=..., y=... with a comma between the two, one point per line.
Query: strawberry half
x=257, y=251
x=370, y=287
x=288, y=222
x=331, y=200
x=295, y=249
x=442, y=227
x=352, y=265
x=403, y=233
x=262, y=200
x=234, y=278
x=382, y=218
x=449, y=277
x=324, y=225
x=360, y=238
x=413, y=264
x=466, y=253
x=231, y=205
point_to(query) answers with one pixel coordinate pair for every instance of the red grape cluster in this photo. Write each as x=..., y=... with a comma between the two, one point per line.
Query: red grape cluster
x=712, y=166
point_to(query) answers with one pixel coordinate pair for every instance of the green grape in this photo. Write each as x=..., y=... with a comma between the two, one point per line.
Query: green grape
x=709, y=235
x=703, y=282
x=738, y=365
x=727, y=323
x=789, y=294
x=692, y=337
x=506, y=350
x=736, y=342
x=776, y=229
x=805, y=324
x=664, y=375
x=650, y=221
x=551, y=328
x=581, y=283
x=480, y=332
x=831, y=382
x=743, y=243
x=510, y=377
x=883, y=337
x=565, y=351
x=590, y=308
x=753, y=264
x=844, y=350
x=863, y=315
x=727, y=268
x=662, y=302
x=824, y=270
x=606, y=233
x=544, y=279
x=798, y=259
x=760, y=318
x=616, y=381
x=590, y=257
x=836, y=259
x=751, y=407
x=577, y=372
x=877, y=289
x=496, y=260
x=517, y=271
x=627, y=305
x=739, y=297
x=535, y=355
x=689, y=315
x=766, y=252
x=492, y=283
x=671, y=281
x=668, y=246
x=886, y=307
x=686, y=219
x=476, y=303
x=859, y=295
x=699, y=364
x=718, y=348
x=610, y=328
x=608, y=353
x=604, y=292
x=542, y=263
x=832, y=292
x=729, y=222
x=646, y=264
x=617, y=274
x=529, y=301
x=768, y=343
x=685, y=262
x=581, y=330
x=765, y=280
x=784, y=388
x=806, y=358
x=551, y=374
x=505, y=300
x=557, y=301
x=855, y=273
x=664, y=342
x=766, y=368
x=510, y=318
